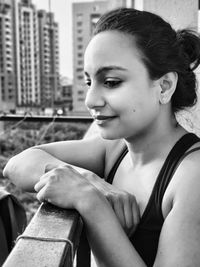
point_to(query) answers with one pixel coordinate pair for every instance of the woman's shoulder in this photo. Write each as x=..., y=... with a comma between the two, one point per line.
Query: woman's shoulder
x=187, y=174
x=186, y=178
x=191, y=156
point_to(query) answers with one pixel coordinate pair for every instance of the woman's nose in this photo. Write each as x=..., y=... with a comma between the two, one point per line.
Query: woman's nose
x=94, y=98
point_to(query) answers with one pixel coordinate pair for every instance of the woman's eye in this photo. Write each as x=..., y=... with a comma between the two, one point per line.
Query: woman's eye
x=112, y=83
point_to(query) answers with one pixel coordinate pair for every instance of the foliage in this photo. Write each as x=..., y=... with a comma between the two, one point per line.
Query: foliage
x=23, y=137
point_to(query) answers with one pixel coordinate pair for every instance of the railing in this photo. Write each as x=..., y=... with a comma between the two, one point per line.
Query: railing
x=30, y=118
x=50, y=239
x=53, y=235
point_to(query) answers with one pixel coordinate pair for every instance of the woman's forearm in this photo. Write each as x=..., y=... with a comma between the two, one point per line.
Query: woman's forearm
x=25, y=169
x=109, y=243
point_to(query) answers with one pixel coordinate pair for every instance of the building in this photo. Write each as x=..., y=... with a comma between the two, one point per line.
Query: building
x=49, y=58
x=27, y=55
x=85, y=16
x=63, y=102
x=7, y=56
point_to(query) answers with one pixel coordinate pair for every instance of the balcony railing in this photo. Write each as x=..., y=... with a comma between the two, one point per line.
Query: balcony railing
x=54, y=235
x=50, y=239
x=30, y=118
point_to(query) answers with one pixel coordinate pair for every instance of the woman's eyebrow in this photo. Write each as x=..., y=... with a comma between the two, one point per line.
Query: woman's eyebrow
x=106, y=69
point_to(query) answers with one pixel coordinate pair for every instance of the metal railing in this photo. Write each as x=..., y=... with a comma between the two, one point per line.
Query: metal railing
x=39, y=118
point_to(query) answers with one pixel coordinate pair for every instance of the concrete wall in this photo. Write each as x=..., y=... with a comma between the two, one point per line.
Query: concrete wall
x=180, y=13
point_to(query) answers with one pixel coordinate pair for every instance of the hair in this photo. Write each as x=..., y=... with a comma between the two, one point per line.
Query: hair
x=163, y=49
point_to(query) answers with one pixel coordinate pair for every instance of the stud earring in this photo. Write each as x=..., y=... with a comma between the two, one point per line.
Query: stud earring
x=163, y=99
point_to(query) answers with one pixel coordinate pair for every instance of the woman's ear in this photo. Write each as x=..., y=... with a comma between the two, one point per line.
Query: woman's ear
x=168, y=83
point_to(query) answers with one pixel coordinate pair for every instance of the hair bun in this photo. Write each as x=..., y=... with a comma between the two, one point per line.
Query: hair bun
x=190, y=43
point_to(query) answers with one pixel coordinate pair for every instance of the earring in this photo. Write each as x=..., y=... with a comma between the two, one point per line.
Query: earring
x=163, y=99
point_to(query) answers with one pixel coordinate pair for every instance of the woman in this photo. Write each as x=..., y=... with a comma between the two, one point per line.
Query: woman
x=139, y=73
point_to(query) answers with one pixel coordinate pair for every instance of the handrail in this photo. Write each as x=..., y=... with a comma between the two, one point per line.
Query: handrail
x=39, y=118
x=50, y=239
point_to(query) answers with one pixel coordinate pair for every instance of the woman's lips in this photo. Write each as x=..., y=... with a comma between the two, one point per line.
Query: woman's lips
x=100, y=119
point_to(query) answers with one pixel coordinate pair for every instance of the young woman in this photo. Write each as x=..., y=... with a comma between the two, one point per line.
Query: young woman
x=146, y=210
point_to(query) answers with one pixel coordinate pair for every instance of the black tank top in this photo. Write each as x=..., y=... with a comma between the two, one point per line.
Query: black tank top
x=145, y=239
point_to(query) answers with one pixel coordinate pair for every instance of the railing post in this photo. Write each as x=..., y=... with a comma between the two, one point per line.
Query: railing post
x=50, y=239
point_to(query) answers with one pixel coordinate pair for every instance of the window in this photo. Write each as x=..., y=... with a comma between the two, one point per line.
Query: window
x=80, y=62
x=80, y=47
x=80, y=92
x=79, y=39
x=79, y=23
x=79, y=16
x=80, y=77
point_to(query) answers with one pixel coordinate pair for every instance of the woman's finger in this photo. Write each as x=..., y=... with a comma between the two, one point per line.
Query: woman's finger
x=128, y=214
x=41, y=183
x=42, y=194
x=135, y=214
x=119, y=211
x=50, y=167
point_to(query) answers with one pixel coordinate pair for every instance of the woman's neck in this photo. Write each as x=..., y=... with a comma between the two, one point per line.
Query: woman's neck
x=152, y=145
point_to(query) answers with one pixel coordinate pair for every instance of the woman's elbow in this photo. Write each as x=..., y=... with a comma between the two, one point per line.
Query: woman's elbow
x=8, y=169
x=16, y=170
x=11, y=170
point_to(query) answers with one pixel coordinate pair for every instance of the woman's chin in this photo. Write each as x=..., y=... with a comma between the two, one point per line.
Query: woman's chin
x=108, y=135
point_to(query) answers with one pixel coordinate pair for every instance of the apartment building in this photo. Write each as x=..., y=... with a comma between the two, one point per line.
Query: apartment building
x=7, y=56
x=49, y=58
x=27, y=55
x=85, y=16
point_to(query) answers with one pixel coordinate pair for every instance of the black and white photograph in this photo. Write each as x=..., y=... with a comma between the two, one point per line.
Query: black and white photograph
x=100, y=133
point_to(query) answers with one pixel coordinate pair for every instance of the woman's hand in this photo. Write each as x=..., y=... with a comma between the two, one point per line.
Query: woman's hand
x=124, y=204
x=62, y=186
x=65, y=187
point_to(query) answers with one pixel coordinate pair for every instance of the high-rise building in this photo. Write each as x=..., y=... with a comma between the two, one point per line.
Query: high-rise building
x=7, y=56
x=28, y=55
x=85, y=16
x=49, y=58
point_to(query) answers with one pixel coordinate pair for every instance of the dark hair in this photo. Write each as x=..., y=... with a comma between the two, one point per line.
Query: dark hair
x=163, y=49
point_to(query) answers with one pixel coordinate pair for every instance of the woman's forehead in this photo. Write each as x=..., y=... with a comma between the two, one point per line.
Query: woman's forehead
x=111, y=47
x=114, y=39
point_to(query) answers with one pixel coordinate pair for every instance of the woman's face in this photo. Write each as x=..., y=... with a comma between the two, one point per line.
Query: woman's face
x=121, y=97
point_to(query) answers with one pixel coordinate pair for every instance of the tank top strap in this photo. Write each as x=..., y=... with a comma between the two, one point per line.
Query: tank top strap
x=171, y=163
x=113, y=170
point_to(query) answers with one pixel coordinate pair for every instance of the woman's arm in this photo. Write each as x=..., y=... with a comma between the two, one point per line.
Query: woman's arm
x=109, y=242
x=179, y=242
x=26, y=168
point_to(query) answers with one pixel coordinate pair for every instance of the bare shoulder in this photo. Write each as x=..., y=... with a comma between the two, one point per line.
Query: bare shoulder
x=187, y=175
x=179, y=242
